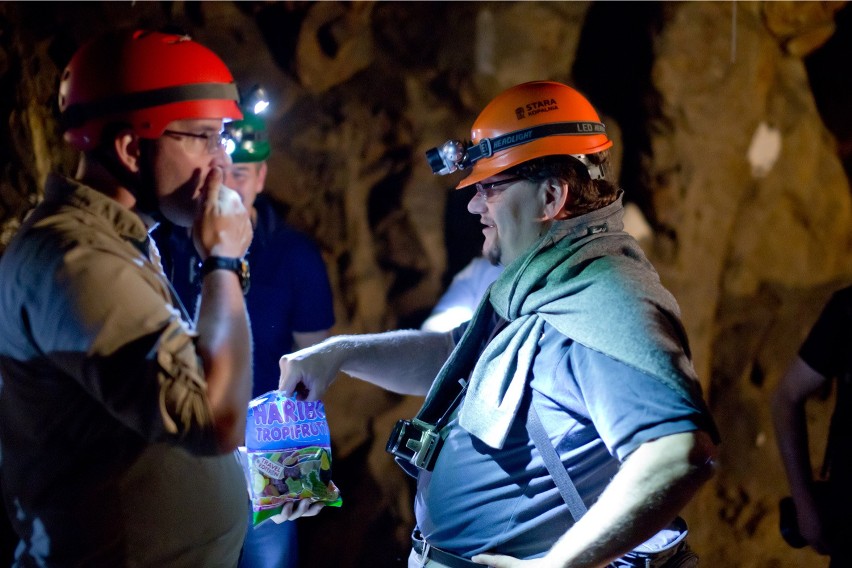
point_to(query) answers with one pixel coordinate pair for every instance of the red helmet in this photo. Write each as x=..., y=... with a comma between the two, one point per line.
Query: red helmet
x=145, y=79
x=531, y=120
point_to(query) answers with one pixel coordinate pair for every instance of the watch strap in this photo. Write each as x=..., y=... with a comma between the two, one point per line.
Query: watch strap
x=239, y=266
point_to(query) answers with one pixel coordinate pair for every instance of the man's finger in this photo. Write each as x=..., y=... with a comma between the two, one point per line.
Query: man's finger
x=493, y=560
x=210, y=188
x=285, y=515
x=285, y=381
x=295, y=510
x=308, y=508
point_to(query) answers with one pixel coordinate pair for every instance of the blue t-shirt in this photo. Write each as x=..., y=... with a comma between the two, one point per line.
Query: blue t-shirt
x=596, y=411
x=289, y=288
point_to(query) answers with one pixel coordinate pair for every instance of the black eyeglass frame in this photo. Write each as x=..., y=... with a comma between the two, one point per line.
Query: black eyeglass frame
x=489, y=190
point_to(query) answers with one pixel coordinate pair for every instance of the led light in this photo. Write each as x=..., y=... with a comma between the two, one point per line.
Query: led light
x=257, y=100
x=260, y=106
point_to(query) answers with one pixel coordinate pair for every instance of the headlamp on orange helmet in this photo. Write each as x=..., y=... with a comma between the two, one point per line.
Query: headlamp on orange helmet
x=531, y=120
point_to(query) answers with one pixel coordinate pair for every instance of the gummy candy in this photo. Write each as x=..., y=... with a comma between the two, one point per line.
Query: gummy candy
x=288, y=454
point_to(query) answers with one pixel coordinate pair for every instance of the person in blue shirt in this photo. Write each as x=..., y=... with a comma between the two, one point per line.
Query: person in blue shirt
x=289, y=300
x=563, y=424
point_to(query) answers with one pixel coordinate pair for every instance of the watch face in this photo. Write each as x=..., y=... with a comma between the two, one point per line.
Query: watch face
x=245, y=275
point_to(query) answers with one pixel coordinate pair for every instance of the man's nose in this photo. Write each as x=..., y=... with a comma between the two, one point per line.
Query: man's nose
x=222, y=159
x=476, y=204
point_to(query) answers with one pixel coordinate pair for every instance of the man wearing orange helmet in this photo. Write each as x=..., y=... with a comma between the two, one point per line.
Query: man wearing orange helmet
x=563, y=425
x=118, y=420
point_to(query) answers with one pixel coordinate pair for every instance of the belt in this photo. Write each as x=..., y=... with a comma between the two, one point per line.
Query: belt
x=426, y=551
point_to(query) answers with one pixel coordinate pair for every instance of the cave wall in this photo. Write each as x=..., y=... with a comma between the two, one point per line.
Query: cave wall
x=721, y=145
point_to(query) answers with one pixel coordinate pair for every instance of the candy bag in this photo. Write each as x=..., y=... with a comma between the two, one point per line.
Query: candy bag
x=288, y=454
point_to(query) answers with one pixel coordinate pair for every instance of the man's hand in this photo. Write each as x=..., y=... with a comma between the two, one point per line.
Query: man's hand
x=502, y=561
x=810, y=524
x=295, y=509
x=652, y=485
x=402, y=361
x=222, y=226
x=309, y=372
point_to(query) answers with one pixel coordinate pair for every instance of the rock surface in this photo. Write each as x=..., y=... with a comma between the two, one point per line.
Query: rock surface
x=721, y=144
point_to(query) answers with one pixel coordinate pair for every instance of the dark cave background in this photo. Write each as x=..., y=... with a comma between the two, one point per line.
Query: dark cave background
x=695, y=95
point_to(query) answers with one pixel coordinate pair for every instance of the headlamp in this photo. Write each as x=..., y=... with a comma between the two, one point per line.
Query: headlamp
x=248, y=138
x=240, y=136
x=454, y=155
x=448, y=158
x=257, y=100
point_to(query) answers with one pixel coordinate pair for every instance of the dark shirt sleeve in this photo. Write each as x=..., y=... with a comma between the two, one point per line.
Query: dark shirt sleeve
x=829, y=343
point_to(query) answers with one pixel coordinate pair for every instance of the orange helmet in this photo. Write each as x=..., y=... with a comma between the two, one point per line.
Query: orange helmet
x=145, y=79
x=531, y=120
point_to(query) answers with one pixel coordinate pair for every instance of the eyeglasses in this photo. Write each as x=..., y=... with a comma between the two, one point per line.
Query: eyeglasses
x=489, y=190
x=213, y=141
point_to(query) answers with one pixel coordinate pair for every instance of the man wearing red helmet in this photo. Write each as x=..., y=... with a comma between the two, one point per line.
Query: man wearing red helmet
x=563, y=425
x=289, y=302
x=118, y=420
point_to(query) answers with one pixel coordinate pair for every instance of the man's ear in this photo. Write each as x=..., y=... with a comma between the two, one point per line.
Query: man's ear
x=557, y=195
x=127, y=150
x=261, y=176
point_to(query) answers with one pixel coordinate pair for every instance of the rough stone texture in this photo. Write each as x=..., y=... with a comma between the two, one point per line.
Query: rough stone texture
x=724, y=152
x=750, y=259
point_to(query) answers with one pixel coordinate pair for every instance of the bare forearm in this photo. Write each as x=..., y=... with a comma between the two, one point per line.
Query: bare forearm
x=302, y=339
x=224, y=344
x=405, y=361
x=652, y=486
x=788, y=417
x=792, y=437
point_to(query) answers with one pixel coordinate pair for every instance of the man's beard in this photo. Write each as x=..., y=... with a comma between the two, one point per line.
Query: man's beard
x=179, y=206
x=169, y=208
x=145, y=193
x=493, y=254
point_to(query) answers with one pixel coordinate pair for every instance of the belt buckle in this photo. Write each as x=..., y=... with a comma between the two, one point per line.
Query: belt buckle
x=423, y=553
x=423, y=558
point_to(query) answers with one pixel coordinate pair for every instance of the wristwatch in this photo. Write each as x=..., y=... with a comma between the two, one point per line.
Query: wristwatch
x=238, y=265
